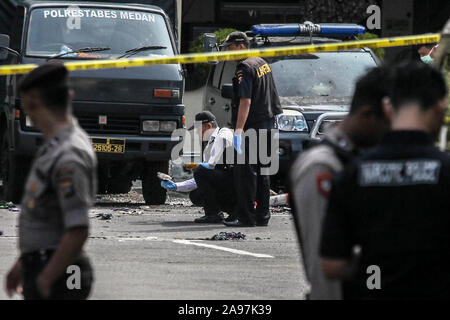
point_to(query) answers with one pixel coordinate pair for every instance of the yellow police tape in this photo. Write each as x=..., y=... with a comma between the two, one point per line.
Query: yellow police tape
x=233, y=55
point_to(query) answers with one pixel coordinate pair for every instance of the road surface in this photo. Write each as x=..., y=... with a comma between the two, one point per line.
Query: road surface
x=157, y=252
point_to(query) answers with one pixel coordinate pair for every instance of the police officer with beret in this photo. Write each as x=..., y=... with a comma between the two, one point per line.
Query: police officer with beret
x=255, y=105
x=60, y=189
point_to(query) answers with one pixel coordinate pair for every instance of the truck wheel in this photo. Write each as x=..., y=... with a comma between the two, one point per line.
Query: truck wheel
x=151, y=186
x=102, y=183
x=119, y=186
x=14, y=172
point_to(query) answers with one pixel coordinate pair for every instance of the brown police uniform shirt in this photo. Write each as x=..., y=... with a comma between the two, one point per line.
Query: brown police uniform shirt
x=311, y=176
x=59, y=191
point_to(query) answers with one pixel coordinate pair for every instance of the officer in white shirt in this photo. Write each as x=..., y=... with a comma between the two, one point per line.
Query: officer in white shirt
x=212, y=185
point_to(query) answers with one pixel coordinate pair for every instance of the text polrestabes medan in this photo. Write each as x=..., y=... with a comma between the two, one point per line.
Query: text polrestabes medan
x=105, y=14
x=399, y=173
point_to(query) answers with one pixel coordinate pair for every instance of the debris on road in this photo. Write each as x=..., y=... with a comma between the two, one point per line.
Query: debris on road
x=280, y=210
x=279, y=200
x=8, y=205
x=130, y=211
x=228, y=236
x=104, y=216
x=130, y=198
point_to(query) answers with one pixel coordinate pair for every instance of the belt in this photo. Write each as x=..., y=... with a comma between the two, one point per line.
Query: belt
x=40, y=255
x=43, y=255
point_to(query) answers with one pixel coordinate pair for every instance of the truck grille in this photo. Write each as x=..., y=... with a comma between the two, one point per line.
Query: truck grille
x=115, y=124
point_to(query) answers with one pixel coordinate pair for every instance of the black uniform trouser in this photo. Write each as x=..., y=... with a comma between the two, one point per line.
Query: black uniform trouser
x=214, y=191
x=32, y=264
x=250, y=185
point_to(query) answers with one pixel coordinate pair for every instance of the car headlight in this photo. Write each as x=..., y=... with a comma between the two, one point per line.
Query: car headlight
x=167, y=126
x=292, y=122
x=150, y=125
x=28, y=122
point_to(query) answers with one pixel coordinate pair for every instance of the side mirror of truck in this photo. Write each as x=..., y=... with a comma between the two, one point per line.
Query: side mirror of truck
x=210, y=42
x=4, y=46
x=227, y=91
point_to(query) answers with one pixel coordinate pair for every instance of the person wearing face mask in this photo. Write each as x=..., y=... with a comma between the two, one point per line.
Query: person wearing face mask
x=427, y=53
x=212, y=184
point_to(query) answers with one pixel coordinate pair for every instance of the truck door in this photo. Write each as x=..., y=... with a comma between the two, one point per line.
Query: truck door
x=219, y=106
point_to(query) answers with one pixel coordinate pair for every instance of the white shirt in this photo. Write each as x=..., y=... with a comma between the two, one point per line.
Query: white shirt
x=220, y=139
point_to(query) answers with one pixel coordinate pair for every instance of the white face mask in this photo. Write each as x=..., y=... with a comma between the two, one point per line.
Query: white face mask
x=427, y=59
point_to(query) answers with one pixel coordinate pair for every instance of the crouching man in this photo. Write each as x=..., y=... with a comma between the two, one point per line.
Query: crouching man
x=212, y=185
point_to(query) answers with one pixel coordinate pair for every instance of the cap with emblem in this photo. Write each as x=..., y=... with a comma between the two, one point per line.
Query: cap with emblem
x=204, y=117
x=48, y=75
x=236, y=37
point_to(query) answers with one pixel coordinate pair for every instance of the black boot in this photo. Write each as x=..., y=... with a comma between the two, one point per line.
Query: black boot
x=217, y=218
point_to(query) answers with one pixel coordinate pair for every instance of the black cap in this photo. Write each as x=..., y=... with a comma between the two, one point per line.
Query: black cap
x=204, y=117
x=236, y=37
x=48, y=75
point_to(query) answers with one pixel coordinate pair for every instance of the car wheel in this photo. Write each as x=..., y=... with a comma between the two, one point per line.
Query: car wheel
x=14, y=171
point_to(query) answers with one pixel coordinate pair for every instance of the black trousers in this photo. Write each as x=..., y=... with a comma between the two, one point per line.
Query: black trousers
x=250, y=185
x=32, y=265
x=214, y=191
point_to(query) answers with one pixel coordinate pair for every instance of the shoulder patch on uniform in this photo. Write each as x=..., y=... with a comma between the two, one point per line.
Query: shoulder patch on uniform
x=323, y=183
x=239, y=75
x=65, y=181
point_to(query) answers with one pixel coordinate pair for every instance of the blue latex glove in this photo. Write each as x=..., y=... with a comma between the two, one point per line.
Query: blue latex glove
x=237, y=142
x=168, y=185
x=205, y=165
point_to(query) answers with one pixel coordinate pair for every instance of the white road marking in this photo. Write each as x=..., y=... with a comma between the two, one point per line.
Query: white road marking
x=211, y=246
x=138, y=239
x=198, y=243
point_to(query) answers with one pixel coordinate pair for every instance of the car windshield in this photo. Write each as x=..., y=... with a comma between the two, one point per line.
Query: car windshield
x=54, y=31
x=327, y=75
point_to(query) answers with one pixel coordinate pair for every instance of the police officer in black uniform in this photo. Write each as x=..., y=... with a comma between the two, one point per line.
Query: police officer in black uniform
x=60, y=189
x=255, y=105
x=394, y=202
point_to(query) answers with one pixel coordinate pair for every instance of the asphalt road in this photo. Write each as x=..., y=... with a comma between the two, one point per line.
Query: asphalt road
x=157, y=252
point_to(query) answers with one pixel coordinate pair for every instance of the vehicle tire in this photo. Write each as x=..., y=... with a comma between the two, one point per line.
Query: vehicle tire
x=14, y=171
x=119, y=186
x=151, y=186
x=102, y=183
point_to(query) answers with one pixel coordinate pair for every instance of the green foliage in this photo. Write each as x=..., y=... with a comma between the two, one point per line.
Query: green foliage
x=379, y=52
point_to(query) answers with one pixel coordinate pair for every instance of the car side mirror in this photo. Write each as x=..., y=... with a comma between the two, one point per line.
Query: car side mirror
x=4, y=46
x=227, y=91
x=210, y=42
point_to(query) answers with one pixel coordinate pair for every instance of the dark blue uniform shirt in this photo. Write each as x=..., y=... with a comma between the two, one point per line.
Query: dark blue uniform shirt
x=394, y=203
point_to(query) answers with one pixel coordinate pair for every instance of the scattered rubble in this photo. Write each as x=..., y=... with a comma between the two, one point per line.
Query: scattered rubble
x=104, y=216
x=8, y=205
x=280, y=210
x=228, y=236
x=130, y=211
